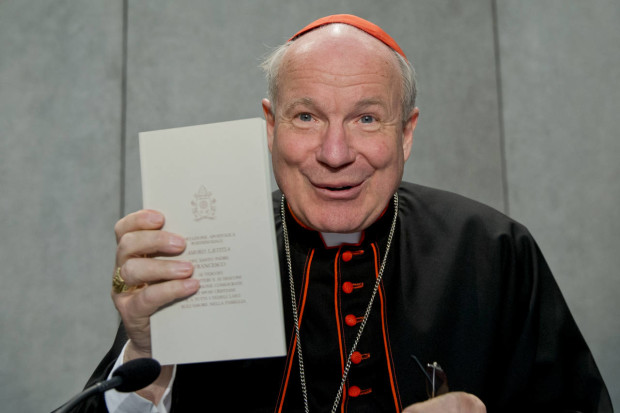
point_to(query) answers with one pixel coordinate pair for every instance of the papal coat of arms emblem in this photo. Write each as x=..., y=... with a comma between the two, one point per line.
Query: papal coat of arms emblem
x=203, y=204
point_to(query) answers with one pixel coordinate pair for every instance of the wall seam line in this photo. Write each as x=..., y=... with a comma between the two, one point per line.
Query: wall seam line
x=123, y=111
x=500, y=109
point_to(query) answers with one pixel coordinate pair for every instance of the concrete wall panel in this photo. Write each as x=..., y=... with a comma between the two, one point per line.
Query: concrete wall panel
x=457, y=143
x=59, y=176
x=560, y=68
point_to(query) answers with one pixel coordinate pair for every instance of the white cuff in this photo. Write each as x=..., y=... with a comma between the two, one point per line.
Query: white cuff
x=118, y=402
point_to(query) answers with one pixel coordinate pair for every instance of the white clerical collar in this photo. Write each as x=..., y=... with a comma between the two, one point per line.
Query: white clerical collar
x=334, y=239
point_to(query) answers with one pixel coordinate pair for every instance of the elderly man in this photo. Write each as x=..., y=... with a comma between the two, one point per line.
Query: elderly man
x=387, y=278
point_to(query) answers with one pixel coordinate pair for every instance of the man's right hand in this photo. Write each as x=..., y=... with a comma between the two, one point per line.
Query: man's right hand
x=152, y=283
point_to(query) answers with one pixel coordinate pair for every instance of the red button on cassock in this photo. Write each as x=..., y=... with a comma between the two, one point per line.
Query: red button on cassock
x=354, y=391
x=356, y=357
x=350, y=320
x=347, y=256
x=348, y=286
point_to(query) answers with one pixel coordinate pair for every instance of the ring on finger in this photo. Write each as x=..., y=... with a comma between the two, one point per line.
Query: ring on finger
x=118, y=284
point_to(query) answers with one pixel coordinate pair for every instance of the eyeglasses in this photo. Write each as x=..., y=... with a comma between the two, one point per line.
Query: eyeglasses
x=437, y=381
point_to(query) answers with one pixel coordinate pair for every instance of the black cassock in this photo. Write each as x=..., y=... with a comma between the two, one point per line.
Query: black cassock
x=464, y=286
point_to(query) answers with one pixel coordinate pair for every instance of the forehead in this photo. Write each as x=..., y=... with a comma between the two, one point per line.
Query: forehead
x=339, y=54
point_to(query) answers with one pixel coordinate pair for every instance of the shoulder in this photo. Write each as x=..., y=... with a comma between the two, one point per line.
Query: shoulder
x=449, y=231
x=422, y=199
x=443, y=211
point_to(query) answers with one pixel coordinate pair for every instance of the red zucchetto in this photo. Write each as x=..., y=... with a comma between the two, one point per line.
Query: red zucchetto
x=364, y=25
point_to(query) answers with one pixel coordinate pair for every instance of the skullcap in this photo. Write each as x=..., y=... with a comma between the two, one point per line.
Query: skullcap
x=364, y=25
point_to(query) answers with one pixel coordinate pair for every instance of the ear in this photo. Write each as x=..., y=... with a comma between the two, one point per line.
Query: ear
x=408, y=129
x=271, y=120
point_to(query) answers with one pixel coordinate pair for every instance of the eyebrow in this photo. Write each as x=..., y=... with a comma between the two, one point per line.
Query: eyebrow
x=305, y=101
x=364, y=103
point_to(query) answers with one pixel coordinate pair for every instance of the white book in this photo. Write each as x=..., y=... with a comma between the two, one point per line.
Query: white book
x=212, y=183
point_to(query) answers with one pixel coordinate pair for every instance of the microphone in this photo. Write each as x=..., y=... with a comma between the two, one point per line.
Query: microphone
x=131, y=376
x=135, y=375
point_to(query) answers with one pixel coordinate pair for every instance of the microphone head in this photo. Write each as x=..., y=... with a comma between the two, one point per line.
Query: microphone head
x=137, y=374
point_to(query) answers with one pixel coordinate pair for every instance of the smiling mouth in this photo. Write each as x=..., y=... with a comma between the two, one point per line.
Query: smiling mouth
x=339, y=191
x=342, y=188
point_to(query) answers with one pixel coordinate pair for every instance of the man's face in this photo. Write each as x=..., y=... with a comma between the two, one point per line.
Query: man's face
x=337, y=137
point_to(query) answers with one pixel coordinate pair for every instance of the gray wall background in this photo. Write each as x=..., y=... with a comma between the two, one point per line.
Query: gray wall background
x=519, y=109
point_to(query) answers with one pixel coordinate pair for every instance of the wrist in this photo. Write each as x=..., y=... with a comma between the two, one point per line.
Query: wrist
x=132, y=352
x=155, y=391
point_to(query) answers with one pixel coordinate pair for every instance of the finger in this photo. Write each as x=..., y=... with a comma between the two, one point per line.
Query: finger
x=145, y=219
x=138, y=306
x=138, y=271
x=148, y=243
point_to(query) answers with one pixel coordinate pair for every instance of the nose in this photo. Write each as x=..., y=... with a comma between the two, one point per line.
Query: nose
x=335, y=150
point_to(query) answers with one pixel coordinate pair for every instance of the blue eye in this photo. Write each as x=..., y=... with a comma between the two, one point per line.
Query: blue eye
x=367, y=119
x=305, y=117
